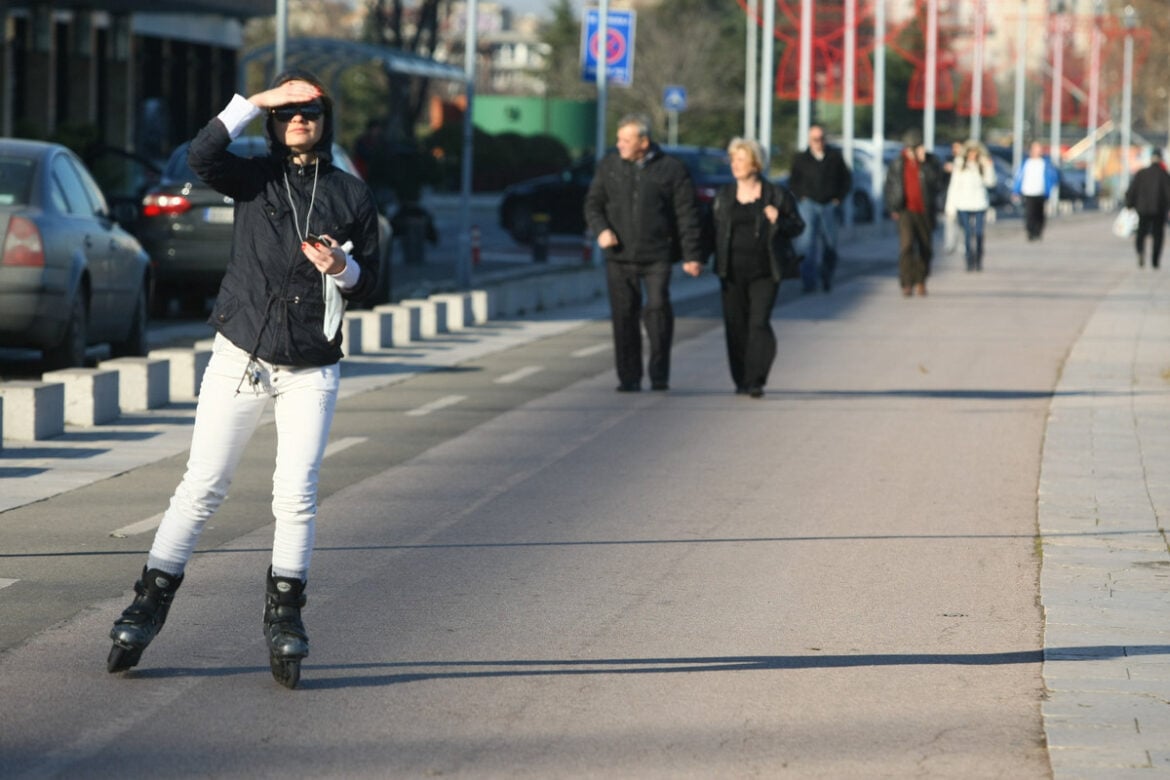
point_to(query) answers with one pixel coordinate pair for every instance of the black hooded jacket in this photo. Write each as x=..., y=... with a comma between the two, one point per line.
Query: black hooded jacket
x=270, y=301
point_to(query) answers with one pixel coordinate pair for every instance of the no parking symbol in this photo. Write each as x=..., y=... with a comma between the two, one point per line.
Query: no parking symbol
x=619, y=46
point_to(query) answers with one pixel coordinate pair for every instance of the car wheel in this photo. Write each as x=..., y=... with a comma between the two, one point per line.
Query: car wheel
x=521, y=229
x=135, y=342
x=70, y=352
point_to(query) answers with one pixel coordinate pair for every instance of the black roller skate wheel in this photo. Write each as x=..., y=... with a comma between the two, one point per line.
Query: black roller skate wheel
x=122, y=658
x=286, y=671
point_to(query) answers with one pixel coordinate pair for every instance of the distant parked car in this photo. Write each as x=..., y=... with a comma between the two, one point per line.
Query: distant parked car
x=70, y=275
x=562, y=196
x=186, y=226
x=124, y=177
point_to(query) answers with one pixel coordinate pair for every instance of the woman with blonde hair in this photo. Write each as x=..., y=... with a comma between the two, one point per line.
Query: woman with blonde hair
x=967, y=199
x=754, y=224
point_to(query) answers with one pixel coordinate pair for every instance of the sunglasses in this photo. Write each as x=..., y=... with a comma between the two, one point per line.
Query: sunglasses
x=309, y=111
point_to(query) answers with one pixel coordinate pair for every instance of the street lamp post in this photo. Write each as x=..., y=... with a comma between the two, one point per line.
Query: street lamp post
x=1018, y=112
x=931, y=80
x=1094, y=97
x=1130, y=20
x=977, y=72
x=1057, y=87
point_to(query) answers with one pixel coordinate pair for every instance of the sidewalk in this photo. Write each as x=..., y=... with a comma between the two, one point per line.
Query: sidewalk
x=1104, y=500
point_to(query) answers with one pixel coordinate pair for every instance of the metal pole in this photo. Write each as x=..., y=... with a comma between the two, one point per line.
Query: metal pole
x=463, y=262
x=977, y=67
x=850, y=88
x=931, y=85
x=804, y=110
x=1094, y=99
x=879, y=108
x=1057, y=90
x=751, y=70
x=1127, y=100
x=281, y=36
x=1021, y=61
x=767, y=75
x=672, y=126
x=602, y=76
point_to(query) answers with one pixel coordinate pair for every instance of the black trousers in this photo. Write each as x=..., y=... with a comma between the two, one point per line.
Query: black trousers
x=1034, y=215
x=747, y=324
x=1153, y=225
x=629, y=314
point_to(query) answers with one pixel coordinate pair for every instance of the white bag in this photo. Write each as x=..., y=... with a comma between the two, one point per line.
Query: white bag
x=1125, y=225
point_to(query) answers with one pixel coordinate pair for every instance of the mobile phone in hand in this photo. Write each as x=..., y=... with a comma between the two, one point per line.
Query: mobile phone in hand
x=313, y=238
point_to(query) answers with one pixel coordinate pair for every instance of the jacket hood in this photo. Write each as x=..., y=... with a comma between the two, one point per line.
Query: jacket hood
x=324, y=146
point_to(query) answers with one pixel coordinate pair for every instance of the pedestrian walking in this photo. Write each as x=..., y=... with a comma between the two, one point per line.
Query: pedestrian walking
x=305, y=240
x=911, y=194
x=1033, y=183
x=755, y=221
x=951, y=221
x=641, y=206
x=972, y=174
x=1149, y=196
x=821, y=181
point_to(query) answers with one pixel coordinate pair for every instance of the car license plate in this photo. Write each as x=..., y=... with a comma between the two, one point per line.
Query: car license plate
x=218, y=214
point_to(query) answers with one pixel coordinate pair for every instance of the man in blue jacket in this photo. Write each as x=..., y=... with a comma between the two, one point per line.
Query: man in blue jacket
x=1033, y=183
x=641, y=206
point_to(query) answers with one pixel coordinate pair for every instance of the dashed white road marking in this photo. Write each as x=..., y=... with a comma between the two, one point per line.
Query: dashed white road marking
x=436, y=405
x=587, y=351
x=5, y=582
x=519, y=374
x=344, y=444
x=141, y=527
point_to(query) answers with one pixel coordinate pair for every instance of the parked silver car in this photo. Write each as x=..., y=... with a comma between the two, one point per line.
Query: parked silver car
x=70, y=276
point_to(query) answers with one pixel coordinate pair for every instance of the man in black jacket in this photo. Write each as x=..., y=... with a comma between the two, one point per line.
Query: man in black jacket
x=821, y=181
x=641, y=207
x=1149, y=196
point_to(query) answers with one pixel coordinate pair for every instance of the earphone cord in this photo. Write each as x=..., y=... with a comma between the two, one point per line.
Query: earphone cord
x=312, y=200
x=252, y=371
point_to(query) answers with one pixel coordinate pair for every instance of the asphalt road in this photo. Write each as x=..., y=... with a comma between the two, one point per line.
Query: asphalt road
x=521, y=573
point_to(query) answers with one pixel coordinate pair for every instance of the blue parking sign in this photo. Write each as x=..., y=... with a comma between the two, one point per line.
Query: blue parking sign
x=619, y=46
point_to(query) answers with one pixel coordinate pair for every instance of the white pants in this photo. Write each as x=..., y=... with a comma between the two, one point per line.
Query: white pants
x=304, y=400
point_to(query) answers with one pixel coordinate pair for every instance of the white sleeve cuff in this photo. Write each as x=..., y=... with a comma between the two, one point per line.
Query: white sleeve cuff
x=238, y=114
x=347, y=278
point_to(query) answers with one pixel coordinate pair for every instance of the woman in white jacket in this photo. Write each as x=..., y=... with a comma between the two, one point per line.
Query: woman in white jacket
x=967, y=199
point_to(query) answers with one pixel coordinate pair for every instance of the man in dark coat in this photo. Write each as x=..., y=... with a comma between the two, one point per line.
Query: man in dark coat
x=1149, y=196
x=641, y=206
x=911, y=194
x=821, y=181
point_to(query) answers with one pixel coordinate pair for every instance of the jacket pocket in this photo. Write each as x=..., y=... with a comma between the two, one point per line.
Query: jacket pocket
x=225, y=307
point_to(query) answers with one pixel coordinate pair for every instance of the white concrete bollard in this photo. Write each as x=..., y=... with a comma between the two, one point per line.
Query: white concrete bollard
x=480, y=306
x=455, y=307
x=186, y=370
x=143, y=382
x=33, y=410
x=403, y=324
x=91, y=394
x=353, y=333
x=427, y=316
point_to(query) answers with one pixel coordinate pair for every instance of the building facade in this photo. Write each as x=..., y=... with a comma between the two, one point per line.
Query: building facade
x=135, y=74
